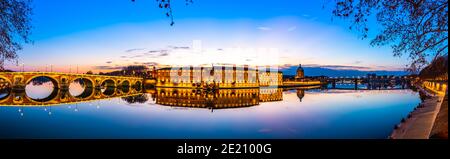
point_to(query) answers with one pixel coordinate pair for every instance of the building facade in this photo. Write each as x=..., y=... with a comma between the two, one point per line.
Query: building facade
x=218, y=77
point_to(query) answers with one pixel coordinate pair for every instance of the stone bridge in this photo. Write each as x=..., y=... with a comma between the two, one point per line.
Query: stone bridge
x=13, y=85
x=18, y=80
x=60, y=96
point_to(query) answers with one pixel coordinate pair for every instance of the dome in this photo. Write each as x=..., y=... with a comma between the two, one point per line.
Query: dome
x=300, y=68
x=300, y=72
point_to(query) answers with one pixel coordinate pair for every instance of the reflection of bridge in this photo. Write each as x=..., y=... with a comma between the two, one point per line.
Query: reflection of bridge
x=378, y=82
x=18, y=80
x=60, y=96
x=95, y=87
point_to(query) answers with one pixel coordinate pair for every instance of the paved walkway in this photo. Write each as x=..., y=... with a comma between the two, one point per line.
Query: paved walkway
x=421, y=123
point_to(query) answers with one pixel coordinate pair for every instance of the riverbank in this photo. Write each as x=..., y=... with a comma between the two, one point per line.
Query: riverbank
x=440, y=128
x=420, y=122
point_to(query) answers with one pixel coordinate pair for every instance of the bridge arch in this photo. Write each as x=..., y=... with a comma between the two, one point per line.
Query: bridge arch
x=108, y=87
x=108, y=83
x=5, y=82
x=125, y=83
x=51, y=96
x=54, y=81
x=88, y=90
x=5, y=88
x=137, y=85
x=125, y=90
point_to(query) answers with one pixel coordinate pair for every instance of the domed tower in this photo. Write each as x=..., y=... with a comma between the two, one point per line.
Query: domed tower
x=300, y=72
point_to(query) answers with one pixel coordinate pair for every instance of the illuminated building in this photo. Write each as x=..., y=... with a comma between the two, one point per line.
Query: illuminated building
x=217, y=77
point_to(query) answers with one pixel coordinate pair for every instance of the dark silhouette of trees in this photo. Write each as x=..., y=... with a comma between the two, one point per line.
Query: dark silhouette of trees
x=14, y=28
x=436, y=70
x=167, y=6
x=89, y=72
x=134, y=70
x=415, y=27
x=142, y=98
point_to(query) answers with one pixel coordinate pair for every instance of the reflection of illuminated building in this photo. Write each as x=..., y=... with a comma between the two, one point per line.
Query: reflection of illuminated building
x=222, y=98
x=220, y=77
x=300, y=94
x=268, y=95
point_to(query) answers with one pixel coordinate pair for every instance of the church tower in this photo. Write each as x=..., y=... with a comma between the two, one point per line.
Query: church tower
x=300, y=72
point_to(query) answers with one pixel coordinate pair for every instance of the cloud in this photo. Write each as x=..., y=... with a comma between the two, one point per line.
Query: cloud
x=264, y=28
x=345, y=67
x=108, y=67
x=357, y=62
x=108, y=62
x=285, y=66
x=179, y=47
x=306, y=15
x=152, y=51
x=223, y=64
x=337, y=67
x=164, y=54
x=135, y=49
x=292, y=28
x=150, y=63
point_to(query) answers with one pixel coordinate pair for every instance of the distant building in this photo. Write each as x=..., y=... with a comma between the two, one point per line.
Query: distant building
x=371, y=75
x=300, y=73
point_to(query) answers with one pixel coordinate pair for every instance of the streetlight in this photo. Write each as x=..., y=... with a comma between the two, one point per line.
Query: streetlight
x=23, y=67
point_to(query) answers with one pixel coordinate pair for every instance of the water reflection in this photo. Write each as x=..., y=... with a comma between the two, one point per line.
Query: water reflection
x=41, y=92
x=156, y=113
x=386, y=85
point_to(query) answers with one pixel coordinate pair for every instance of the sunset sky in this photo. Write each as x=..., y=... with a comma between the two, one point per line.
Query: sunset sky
x=104, y=35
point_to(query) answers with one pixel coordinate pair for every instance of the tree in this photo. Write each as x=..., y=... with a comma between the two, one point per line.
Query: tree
x=436, y=70
x=167, y=6
x=89, y=72
x=14, y=28
x=415, y=27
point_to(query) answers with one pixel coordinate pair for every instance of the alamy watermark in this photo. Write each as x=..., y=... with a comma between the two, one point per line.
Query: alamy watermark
x=236, y=66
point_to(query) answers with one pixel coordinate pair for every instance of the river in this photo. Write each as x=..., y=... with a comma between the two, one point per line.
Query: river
x=249, y=114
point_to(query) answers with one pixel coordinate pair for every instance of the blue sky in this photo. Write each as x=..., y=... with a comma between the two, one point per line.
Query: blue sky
x=103, y=35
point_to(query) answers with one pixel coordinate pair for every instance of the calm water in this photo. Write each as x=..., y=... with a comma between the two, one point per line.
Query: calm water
x=292, y=114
